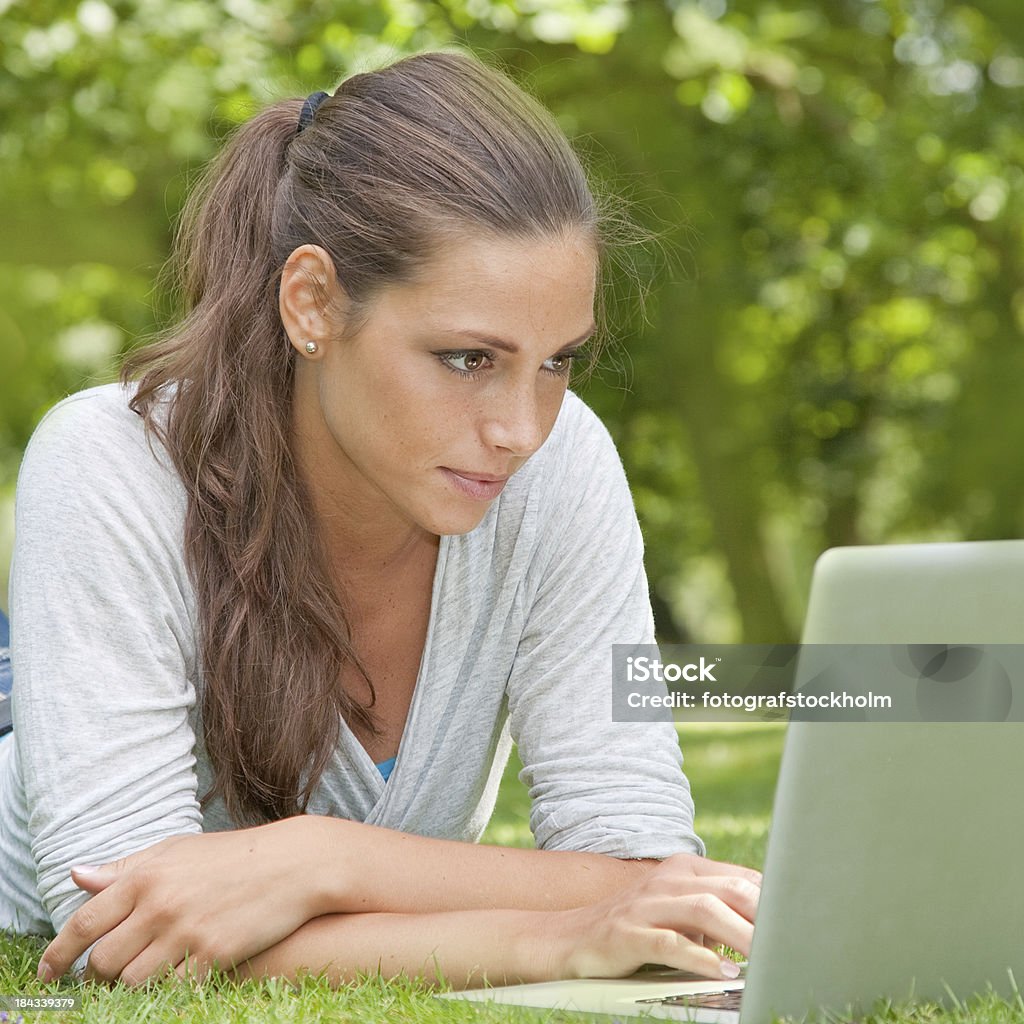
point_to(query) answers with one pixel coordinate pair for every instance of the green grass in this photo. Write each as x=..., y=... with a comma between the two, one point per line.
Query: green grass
x=732, y=769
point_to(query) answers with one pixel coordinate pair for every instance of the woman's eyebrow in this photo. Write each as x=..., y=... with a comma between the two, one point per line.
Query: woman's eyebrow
x=508, y=346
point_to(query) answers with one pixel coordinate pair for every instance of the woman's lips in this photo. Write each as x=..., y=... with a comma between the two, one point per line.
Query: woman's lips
x=475, y=487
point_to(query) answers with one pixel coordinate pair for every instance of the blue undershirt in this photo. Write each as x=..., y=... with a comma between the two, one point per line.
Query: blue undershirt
x=385, y=767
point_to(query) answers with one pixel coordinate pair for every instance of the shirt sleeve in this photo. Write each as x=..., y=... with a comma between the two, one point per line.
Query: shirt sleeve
x=102, y=648
x=595, y=785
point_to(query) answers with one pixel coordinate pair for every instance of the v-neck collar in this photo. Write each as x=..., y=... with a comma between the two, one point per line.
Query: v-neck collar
x=365, y=765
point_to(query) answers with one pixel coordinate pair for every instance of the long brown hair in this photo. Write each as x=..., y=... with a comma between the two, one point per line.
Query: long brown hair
x=395, y=163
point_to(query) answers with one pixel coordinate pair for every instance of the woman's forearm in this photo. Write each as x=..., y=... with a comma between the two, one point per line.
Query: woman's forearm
x=359, y=868
x=464, y=947
x=279, y=876
x=673, y=916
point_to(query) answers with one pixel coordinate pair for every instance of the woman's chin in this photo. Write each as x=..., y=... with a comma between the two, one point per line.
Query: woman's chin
x=455, y=522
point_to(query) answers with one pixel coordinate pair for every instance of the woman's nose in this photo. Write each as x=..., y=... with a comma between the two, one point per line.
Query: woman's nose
x=515, y=421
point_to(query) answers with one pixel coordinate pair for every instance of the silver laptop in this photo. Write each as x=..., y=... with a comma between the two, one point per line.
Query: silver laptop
x=893, y=862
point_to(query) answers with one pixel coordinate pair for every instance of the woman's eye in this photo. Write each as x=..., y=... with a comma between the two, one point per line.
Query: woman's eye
x=470, y=361
x=562, y=363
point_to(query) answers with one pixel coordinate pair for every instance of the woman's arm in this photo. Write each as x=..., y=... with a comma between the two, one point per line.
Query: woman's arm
x=464, y=947
x=244, y=888
x=100, y=619
x=413, y=874
x=595, y=783
x=248, y=888
x=665, y=918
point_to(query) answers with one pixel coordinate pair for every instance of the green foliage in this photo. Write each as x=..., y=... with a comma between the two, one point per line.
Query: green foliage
x=832, y=337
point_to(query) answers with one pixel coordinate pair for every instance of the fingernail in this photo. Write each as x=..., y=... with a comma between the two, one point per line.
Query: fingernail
x=44, y=974
x=730, y=969
x=86, y=869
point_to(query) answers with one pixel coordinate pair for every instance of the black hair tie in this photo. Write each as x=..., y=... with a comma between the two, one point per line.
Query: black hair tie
x=309, y=108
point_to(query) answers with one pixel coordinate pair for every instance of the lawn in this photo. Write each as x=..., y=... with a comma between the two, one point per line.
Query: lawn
x=732, y=769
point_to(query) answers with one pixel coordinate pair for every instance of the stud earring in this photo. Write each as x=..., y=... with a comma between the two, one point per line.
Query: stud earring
x=312, y=347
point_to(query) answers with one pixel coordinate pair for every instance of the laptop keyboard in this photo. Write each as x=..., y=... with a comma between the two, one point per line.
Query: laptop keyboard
x=706, y=1000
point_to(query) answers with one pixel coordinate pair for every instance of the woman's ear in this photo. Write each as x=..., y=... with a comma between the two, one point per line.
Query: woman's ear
x=309, y=286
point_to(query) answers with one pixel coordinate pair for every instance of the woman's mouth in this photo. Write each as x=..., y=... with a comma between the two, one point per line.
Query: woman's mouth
x=485, y=487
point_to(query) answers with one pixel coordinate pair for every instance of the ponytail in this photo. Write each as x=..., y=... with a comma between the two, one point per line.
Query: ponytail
x=273, y=634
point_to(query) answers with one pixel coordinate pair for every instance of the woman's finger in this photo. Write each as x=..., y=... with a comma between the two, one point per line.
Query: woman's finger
x=116, y=950
x=94, y=879
x=669, y=947
x=737, y=892
x=709, y=915
x=706, y=866
x=157, y=960
x=90, y=922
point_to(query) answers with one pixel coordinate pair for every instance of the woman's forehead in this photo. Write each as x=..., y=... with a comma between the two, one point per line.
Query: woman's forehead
x=509, y=289
x=508, y=275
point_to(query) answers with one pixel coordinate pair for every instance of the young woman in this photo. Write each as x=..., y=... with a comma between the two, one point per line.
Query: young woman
x=281, y=606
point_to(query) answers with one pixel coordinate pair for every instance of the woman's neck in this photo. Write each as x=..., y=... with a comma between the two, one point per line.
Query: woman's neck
x=365, y=537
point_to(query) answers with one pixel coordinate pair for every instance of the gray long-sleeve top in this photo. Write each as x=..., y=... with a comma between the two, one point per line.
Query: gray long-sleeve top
x=107, y=751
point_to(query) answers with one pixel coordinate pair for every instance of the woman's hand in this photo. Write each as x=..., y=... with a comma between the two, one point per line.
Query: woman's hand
x=220, y=897
x=673, y=916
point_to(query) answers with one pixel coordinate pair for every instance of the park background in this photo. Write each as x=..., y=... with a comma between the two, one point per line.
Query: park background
x=830, y=350
x=821, y=346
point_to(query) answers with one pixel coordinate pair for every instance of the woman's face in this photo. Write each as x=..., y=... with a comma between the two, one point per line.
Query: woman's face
x=452, y=384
